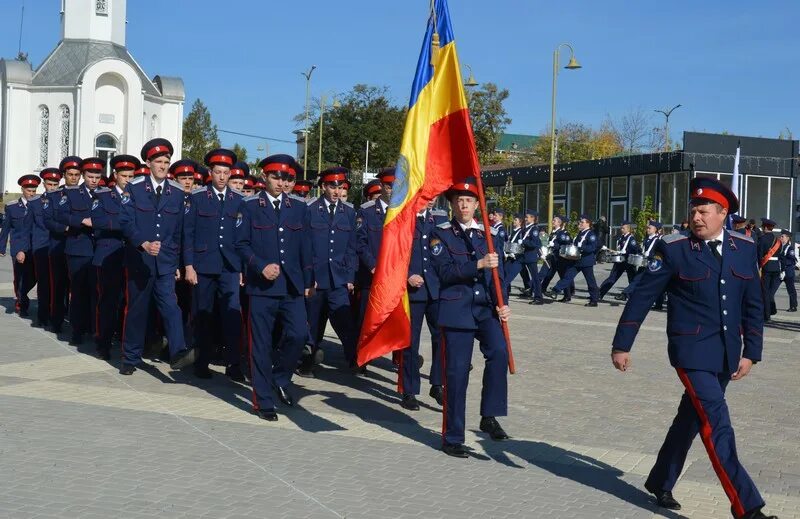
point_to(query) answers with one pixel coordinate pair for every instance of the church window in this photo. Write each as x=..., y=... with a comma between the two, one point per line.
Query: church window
x=44, y=135
x=64, y=131
x=154, y=127
x=101, y=6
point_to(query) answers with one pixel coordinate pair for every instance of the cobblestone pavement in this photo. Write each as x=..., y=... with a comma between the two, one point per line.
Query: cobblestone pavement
x=79, y=440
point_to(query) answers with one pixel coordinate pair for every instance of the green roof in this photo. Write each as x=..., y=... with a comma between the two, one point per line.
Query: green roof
x=516, y=142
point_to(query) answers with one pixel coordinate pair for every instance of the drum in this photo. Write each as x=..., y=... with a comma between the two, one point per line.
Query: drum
x=569, y=252
x=513, y=249
x=616, y=257
x=637, y=260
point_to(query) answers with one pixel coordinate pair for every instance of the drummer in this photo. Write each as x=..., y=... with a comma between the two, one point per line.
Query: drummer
x=653, y=235
x=513, y=266
x=626, y=246
x=581, y=260
x=553, y=263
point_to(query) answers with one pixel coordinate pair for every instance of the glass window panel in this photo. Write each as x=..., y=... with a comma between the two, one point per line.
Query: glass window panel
x=544, y=199
x=681, y=196
x=590, y=197
x=559, y=207
x=575, y=197
x=604, y=183
x=560, y=188
x=649, y=188
x=667, y=198
x=636, y=192
x=704, y=174
x=726, y=178
x=531, y=197
x=619, y=187
x=780, y=201
x=757, y=196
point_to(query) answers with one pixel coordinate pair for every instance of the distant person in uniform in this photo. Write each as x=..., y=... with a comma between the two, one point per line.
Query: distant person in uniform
x=714, y=333
x=626, y=245
x=769, y=246
x=789, y=261
x=18, y=226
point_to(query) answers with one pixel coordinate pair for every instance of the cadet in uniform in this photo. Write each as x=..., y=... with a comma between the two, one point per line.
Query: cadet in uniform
x=371, y=190
x=553, y=263
x=75, y=211
x=141, y=171
x=249, y=187
x=276, y=253
x=40, y=241
x=289, y=181
x=213, y=266
x=151, y=221
x=331, y=223
x=587, y=244
x=302, y=188
x=512, y=263
x=530, y=258
x=789, y=262
x=496, y=216
x=626, y=245
x=468, y=309
x=185, y=173
x=18, y=226
x=648, y=248
x=769, y=246
x=423, y=297
x=714, y=310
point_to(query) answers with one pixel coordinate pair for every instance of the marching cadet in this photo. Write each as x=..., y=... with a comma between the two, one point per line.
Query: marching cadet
x=530, y=258
x=260, y=185
x=331, y=224
x=740, y=225
x=769, y=246
x=512, y=262
x=788, y=262
x=249, y=187
x=715, y=335
x=553, y=262
x=648, y=248
x=289, y=182
x=468, y=310
x=239, y=172
x=141, y=171
x=302, y=188
x=151, y=221
x=75, y=212
x=198, y=178
x=371, y=190
x=18, y=226
x=496, y=216
x=626, y=245
x=423, y=297
x=587, y=244
x=344, y=190
x=212, y=265
x=276, y=253
x=183, y=172
x=109, y=254
x=40, y=242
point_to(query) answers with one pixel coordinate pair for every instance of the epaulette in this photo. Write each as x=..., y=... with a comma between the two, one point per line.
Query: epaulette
x=444, y=225
x=312, y=201
x=438, y=212
x=198, y=190
x=494, y=231
x=138, y=180
x=672, y=238
x=72, y=187
x=175, y=183
x=298, y=198
x=101, y=189
x=741, y=236
x=348, y=204
x=236, y=191
x=251, y=197
x=367, y=205
x=37, y=197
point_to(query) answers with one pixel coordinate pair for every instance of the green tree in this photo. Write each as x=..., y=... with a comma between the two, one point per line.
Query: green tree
x=640, y=217
x=489, y=119
x=506, y=198
x=199, y=133
x=240, y=151
x=577, y=141
x=365, y=113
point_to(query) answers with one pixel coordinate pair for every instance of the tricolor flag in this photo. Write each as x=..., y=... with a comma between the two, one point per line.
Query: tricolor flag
x=438, y=150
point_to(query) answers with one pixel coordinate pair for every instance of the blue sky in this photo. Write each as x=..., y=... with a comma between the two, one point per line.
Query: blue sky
x=733, y=65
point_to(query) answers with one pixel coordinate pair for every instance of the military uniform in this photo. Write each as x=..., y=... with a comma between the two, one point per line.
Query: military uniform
x=789, y=262
x=587, y=244
x=59, y=276
x=554, y=264
x=18, y=226
x=648, y=249
x=530, y=259
x=369, y=234
x=627, y=245
x=40, y=242
x=769, y=248
x=714, y=309
x=513, y=266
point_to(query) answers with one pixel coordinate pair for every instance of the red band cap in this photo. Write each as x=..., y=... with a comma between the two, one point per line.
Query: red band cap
x=124, y=165
x=711, y=194
x=302, y=189
x=371, y=190
x=387, y=179
x=155, y=150
x=29, y=183
x=184, y=169
x=237, y=172
x=224, y=159
x=72, y=165
x=51, y=176
x=278, y=167
x=93, y=166
x=334, y=177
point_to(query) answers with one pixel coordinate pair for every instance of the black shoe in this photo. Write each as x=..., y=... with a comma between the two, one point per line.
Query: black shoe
x=591, y=303
x=490, y=425
x=792, y=309
x=23, y=312
x=284, y=396
x=76, y=340
x=103, y=353
x=318, y=357
x=664, y=498
x=658, y=308
x=56, y=329
x=410, y=402
x=758, y=514
x=355, y=370
x=565, y=299
x=527, y=292
x=420, y=361
x=455, y=450
x=552, y=294
x=183, y=359
x=267, y=414
x=536, y=302
x=202, y=372
x=127, y=369
x=437, y=393
x=234, y=373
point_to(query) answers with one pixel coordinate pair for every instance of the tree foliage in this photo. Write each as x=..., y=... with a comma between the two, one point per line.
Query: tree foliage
x=489, y=119
x=199, y=133
x=640, y=217
x=577, y=141
x=507, y=198
x=240, y=151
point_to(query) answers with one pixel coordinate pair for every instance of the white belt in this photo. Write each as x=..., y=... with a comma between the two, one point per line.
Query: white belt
x=773, y=259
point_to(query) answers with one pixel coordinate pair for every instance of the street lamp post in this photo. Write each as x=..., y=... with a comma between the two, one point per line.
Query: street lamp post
x=572, y=65
x=666, y=114
x=307, y=75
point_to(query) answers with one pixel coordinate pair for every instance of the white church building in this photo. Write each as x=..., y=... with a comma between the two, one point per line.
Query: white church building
x=89, y=97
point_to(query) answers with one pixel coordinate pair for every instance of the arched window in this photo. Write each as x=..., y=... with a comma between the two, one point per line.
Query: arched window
x=64, y=131
x=44, y=135
x=105, y=147
x=154, y=127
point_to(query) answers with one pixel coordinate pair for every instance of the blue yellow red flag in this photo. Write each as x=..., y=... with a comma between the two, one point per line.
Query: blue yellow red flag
x=437, y=151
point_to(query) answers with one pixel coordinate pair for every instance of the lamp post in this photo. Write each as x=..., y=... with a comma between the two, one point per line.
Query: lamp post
x=572, y=65
x=471, y=79
x=307, y=75
x=336, y=104
x=666, y=114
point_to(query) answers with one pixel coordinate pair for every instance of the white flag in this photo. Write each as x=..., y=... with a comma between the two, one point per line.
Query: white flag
x=735, y=182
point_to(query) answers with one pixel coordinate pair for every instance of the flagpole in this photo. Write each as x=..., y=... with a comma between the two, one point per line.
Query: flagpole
x=495, y=277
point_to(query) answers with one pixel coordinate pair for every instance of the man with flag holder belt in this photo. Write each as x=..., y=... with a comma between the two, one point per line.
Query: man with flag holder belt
x=212, y=265
x=714, y=334
x=769, y=247
x=788, y=262
x=587, y=244
x=18, y=226
x=109, y=254
x=151, y=221
x=273, y=244
x=532, y=245
x=302, y=188
x=40, y=240
x=75, y=211
x=740, y=225
x=468, y=311
x=648, y=248
x=423, y=298
x=331, y=224
x=626, y=245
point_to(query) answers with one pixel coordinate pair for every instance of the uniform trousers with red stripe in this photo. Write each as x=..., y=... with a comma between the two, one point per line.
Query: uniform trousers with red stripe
x=222, y=289
x=41, y=263
x=408, y=372
x=24, y=280
x=458, y=344
x=703, y=410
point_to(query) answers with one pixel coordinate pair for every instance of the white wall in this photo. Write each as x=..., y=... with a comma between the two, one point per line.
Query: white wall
x=80, y=21
x=18, y=141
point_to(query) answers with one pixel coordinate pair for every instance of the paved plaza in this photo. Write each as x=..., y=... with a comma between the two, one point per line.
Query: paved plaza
x=79, y=440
